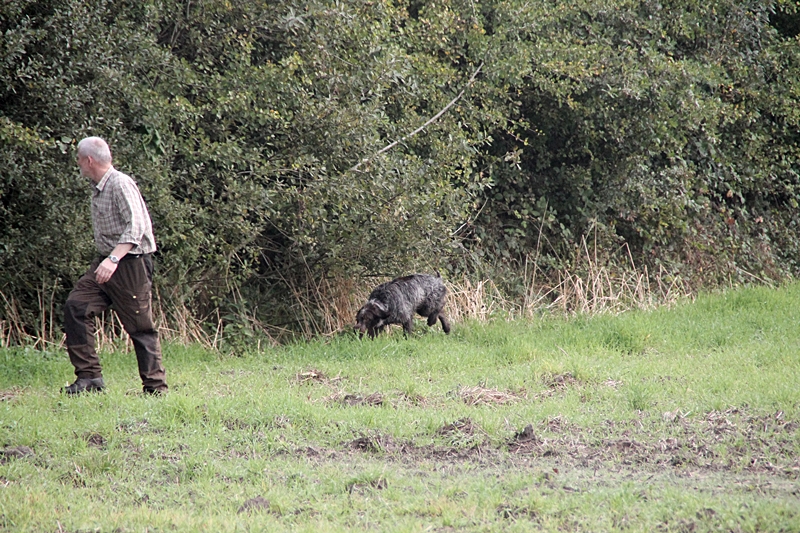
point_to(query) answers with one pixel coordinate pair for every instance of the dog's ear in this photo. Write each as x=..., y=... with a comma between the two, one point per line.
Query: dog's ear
x=379, y=307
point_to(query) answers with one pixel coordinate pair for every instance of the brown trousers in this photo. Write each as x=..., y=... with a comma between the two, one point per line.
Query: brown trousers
x=130, y=292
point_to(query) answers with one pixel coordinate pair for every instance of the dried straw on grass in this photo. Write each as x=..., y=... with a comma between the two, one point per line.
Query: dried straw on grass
x=315, y=376
x=481, y=395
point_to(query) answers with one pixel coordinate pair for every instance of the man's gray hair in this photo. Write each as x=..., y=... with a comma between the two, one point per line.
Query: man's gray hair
x=96, y=148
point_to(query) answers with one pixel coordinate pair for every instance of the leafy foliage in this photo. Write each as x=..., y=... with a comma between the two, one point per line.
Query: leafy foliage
x=669, y=127
x=259, y=135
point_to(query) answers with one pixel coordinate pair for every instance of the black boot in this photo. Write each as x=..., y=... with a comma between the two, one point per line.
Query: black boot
x=85, y=385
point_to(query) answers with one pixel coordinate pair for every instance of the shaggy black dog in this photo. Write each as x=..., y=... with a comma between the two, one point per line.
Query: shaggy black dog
x=396, y=301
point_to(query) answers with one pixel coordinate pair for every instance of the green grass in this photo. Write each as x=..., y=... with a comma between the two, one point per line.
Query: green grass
x=682, y=419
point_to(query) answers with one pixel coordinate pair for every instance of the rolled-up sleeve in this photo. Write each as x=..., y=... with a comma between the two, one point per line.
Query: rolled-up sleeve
x=132, y=211
x=119, y=215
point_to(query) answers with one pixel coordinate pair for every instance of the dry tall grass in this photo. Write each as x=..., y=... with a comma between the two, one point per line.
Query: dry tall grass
x=13, y=330
x=325, y=306
x=590, y=286
x=598, y=283
x=594, y=283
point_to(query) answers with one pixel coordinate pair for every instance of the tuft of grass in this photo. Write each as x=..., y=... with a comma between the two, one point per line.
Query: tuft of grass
x=668, y=419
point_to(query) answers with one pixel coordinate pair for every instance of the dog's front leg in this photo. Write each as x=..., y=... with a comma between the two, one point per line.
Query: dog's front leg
x=445, y=323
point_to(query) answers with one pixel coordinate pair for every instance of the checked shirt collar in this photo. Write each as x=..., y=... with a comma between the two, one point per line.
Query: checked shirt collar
x=102, y=183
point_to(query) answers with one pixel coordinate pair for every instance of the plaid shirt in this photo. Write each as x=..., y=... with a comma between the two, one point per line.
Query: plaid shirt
x=119, y=215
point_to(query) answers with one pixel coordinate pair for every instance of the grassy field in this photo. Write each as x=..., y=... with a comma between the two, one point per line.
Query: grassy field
x=682, y=419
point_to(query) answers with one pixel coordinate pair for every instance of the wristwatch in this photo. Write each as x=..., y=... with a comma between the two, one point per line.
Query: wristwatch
x=113, y=258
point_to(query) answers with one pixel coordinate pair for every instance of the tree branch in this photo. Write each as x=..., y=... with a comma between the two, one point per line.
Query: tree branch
x=428, y=123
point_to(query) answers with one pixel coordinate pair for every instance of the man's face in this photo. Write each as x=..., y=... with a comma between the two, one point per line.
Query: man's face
x=83, y=164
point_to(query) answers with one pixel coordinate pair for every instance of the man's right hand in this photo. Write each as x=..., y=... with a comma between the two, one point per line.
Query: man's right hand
x=104, y=271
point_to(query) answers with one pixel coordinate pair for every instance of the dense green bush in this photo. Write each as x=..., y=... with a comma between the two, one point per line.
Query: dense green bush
x=258, y=132
x=671, y=127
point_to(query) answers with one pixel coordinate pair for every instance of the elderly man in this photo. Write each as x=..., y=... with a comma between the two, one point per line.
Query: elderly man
x=120, y=276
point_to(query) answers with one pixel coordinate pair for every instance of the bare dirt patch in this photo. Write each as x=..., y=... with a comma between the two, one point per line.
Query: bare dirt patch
x=14, y=452
x=255, y=504
x=11, y=394
x=719, y=441
x=463, y=426
x=413, y=399
x=560, y=381
x=356, y=400
x=377, y=444
x=510, y=512
x=727, y=440
x=95, y=440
